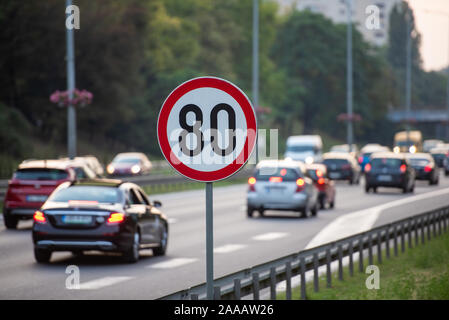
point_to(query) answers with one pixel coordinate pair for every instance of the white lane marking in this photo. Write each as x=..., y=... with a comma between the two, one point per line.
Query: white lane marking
x=362, y=220
x=229, y=248
x=270, y=236
x=172, y=220
x=172, y=263
x=102, y=282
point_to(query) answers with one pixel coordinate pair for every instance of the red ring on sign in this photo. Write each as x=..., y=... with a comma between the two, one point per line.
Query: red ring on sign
x=242, y=100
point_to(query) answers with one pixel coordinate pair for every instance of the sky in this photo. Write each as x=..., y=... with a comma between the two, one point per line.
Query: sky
x=434, y=29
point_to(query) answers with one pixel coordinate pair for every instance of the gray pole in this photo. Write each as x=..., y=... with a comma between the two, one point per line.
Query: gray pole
x=256, y=65
x=447, y=96
x=209, y=242
x=71, y=113
x=408, y=72
x=349, y=75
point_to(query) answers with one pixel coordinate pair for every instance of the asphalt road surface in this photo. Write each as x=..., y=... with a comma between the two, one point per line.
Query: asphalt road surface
x=239, y=243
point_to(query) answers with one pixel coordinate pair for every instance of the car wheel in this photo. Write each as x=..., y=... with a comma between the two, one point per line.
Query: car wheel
x=412, y=189
x=160, y=251
x=375, y=189
x=249, y=212
x=332, y=204
x=10, y=221
x=367, y=188
x=446, y=173
x=42, y=255
x=314, y=209
x=303, y=213
x=261, y=212
x=132, y=254
x=322, y=202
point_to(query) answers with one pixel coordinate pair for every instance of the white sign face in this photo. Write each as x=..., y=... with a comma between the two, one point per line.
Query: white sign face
x=207, y=129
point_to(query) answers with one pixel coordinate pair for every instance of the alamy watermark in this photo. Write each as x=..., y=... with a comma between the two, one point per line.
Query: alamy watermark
x=72, y=282
x=72, y=20
x=372, y=21
x=373, y=280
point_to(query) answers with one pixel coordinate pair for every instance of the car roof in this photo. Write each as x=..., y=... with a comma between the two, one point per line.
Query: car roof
x=373, y=148
x=337, y=155
x=98, y=182
x=316, y=166
x=391, y=155
x=280, y=163
x=130, y=154
x=43, y=164
x=419, y=155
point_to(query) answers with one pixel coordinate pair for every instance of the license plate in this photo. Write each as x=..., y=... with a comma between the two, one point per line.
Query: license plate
x=384, y=178
x=77, y=219
x=274, y=190
x=36, y=198
x=334, y=175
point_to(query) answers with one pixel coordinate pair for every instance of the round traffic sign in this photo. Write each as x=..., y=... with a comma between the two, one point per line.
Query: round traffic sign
x=207, y=129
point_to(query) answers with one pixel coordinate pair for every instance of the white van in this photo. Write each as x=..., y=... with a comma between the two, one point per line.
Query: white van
x=307, y=148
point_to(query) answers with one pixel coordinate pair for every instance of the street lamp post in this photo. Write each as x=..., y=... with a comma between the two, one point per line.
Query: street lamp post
x=349, y=75
x=408, y=72
x=71, y=112
x=256, y=65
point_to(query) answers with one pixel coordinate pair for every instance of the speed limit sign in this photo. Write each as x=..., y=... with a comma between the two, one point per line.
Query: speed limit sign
x=207, y=129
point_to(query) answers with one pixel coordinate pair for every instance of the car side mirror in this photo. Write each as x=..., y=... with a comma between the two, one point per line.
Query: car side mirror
x=157, y=204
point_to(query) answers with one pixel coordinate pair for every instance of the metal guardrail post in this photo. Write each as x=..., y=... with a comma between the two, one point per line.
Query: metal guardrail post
x=288, y=280
x=315, y=272
x=193, y=296
x=340, y=263
x=402, y=237
x=387, y=243
x=409, y=233
x=273, y=283
x=351, y=258
x=395, y=241
x=256, y=295
x=379, y=247
x=303, y=278
x=217, y=293
x=429, y=231
x=370, y=250
x=361, y=255
x=328, y=269
x=237, y=287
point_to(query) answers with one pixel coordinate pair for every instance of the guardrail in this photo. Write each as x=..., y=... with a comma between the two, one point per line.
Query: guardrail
x=389, y=237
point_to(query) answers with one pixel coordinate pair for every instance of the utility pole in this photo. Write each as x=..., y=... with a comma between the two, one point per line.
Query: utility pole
x=256, y=66
x=408, y=72
x=71, y=112
x=349, y=95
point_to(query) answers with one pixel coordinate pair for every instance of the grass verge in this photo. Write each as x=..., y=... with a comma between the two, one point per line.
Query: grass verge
x=421, y=273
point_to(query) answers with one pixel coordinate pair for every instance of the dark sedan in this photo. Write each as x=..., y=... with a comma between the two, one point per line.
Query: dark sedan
x=104, y=215
x=425, y=167
x=342, y=166
x=389, y=170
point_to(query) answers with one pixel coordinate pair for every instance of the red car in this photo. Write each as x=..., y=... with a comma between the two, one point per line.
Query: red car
x=326, y=187
x=30, y=187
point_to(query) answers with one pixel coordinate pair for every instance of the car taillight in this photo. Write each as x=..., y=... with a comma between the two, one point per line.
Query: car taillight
x=321, y=181
x=319, y=173
x=251, y=183
x=300, y=183
x=360, y=159
x=403, y=168
x=116, y=218
x=275, y=179
x=428, y=168
x=368, y=168
x=39, y=217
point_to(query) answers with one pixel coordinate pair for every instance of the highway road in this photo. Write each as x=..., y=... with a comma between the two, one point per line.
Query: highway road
x=239, y=243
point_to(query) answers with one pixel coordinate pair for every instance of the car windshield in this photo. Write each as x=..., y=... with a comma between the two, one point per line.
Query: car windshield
x=126, y=160
x=286, y=174
x=335, y=162
x=40, y=174
x=419, y=162
x=405, y=143
x=100, y=194
x=386, y=162
x=300, y=148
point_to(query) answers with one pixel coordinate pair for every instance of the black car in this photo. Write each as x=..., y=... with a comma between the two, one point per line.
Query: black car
x=440, y=155
x=425, y=167
x=389, y=170
x=342, y=166
x=102, y=214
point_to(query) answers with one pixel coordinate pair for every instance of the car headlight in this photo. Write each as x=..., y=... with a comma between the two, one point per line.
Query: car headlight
x=396, y=149
x=110, y=169
x=135, y=169
x=309, y=160
x=412, y=149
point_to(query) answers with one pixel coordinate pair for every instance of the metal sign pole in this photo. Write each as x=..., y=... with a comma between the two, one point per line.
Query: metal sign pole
x=209, y=242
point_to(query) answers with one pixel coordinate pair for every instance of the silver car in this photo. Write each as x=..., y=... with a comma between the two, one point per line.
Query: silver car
x=281, y=185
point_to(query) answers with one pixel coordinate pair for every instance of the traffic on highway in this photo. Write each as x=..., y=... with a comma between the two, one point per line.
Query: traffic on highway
x=236, y=150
